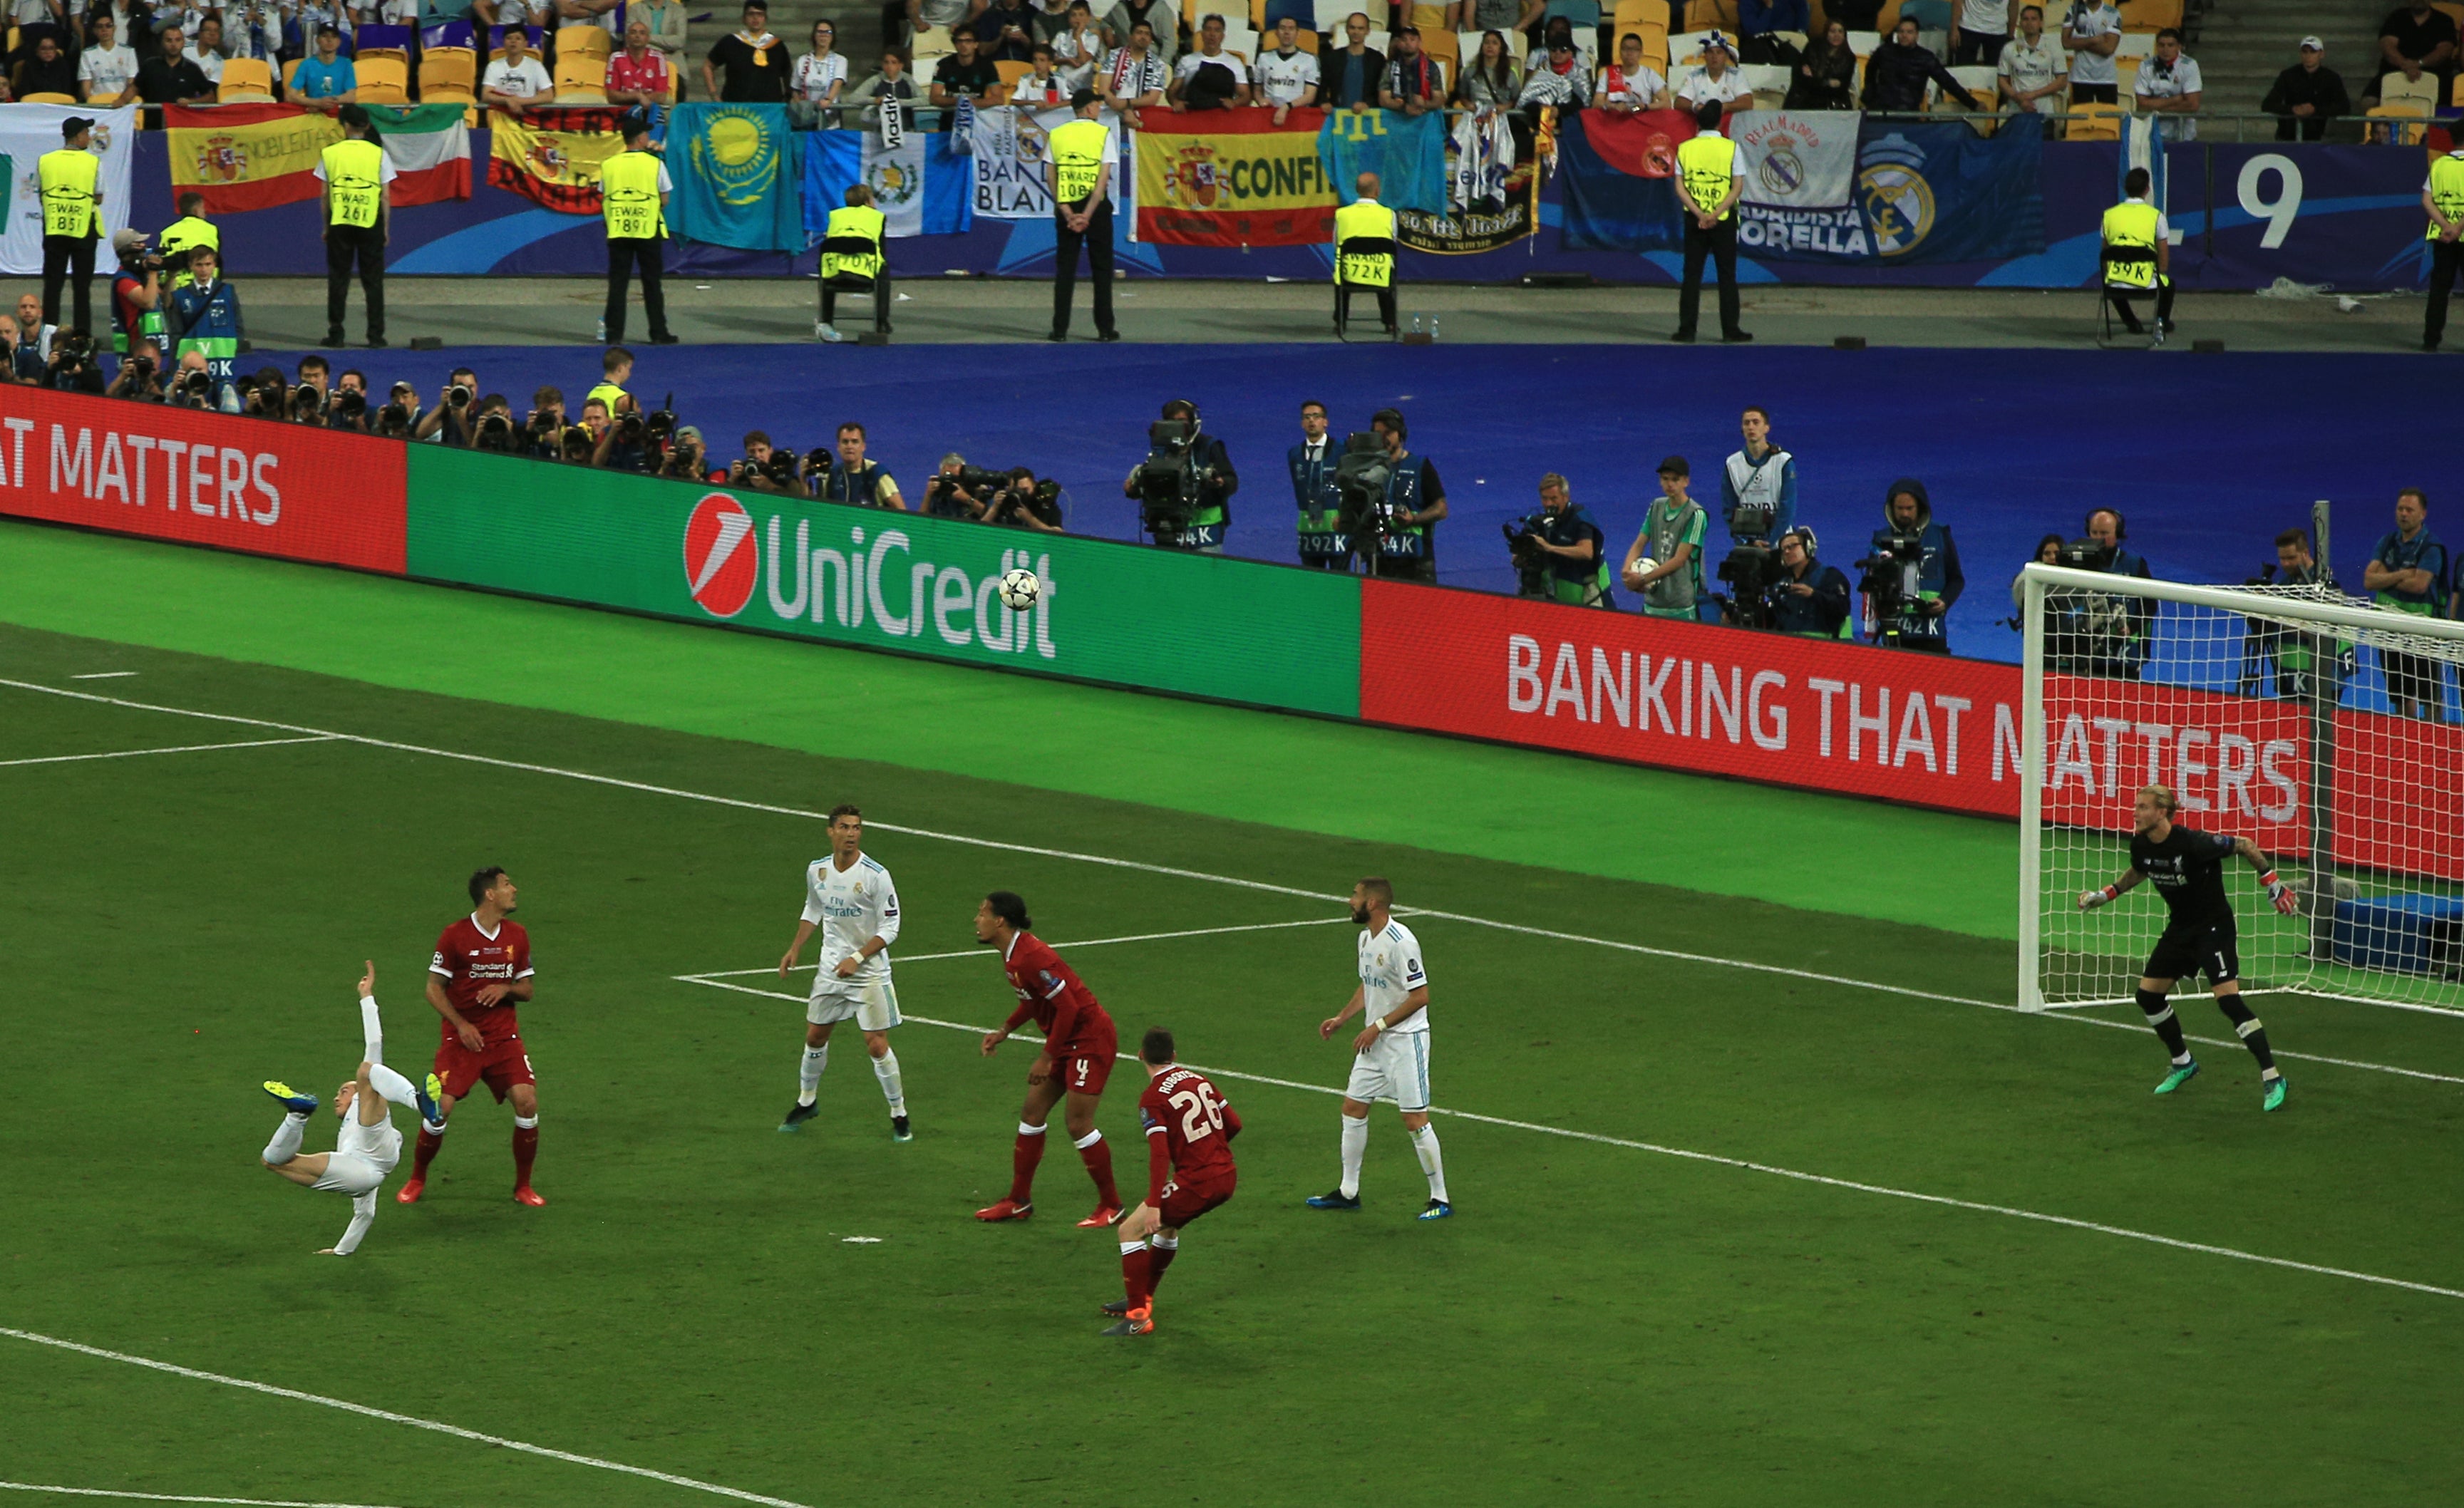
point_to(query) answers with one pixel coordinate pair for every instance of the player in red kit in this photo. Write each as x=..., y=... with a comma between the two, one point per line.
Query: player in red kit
x=1073, y=1064
x=1189, y=1172
x=482, y=966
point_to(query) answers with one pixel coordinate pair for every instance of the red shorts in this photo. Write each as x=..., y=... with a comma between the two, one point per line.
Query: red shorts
x=1088, y=1067
x=1182, y=1205
x=499, y=1065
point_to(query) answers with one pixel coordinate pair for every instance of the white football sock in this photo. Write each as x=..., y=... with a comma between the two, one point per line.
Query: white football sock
x=1356, y=1142
x=1424, y=1142
x=285, y=1145
x=371, y=1030
x=392, y=1086
x=886, y=1069
x=809, y=1080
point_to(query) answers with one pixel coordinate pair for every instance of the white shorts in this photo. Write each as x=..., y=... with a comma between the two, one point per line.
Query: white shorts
x=362, y=1158
x=874, y=1006
x=1395, y=1067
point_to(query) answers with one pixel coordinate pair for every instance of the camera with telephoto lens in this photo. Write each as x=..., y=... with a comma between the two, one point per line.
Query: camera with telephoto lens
x=460, y=396
x=661, y=424
x=1523, y=537
x=141, y=367
x=1012, y=502
x=542, y=427
x=307, y=400
x=494, y=432
x=196, y=389
x=1171, y=483
x=1889, y=574
x=1360, y=477
x=577, y=443
x=350, y=403
x=630, y=430
x=684, y=460
x=393, y=419
x=1752, y=568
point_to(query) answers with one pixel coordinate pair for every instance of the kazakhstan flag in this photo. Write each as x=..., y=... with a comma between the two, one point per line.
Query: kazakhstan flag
x=737, y=170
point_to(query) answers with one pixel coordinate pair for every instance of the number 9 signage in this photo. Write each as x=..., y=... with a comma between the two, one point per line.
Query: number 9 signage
x=2278, y=210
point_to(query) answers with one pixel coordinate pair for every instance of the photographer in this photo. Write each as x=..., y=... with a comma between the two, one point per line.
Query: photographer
x=1912, y=574
x=1671, y=540
x=347, y=409
x=136, y=292
x=1024, y=503
x=1184, y=487
x=493, y=429
x=400, y=416
x=451, y=421
x=10, y=350
x=73, y=368
x=543, y=426
x=763, y=468
x=687, y=460
x=2096, y=633
x=1560, y=555
x=852, y=478
x=139, y=374
x=1758, y=488
x=2282, y=653
x=1811, y=598
x=1323, y=545
x=205, y=315
x=265, y=395
x=1404, y=526
x=196, y=387
x=959, y=491
x=626, y=442
x=308, y=403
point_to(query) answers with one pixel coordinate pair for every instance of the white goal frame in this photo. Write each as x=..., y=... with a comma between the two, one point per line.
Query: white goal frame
x=2361, y=625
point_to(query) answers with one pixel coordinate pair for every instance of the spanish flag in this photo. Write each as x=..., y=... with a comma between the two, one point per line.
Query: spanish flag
x=243, y=156
x=555, y=166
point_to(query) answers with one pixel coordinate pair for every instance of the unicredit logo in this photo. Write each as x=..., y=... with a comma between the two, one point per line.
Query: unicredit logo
x=722, y=559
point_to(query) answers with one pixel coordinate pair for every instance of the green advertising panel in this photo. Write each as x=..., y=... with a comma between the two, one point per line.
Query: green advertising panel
x=1158, y=620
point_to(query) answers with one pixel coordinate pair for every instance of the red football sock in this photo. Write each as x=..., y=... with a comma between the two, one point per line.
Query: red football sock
x=1137, y=1280
x=1160, y=1258
x=525, y=1151
x=1023, y=1159
x=1098, y=1157
x=424, y=1151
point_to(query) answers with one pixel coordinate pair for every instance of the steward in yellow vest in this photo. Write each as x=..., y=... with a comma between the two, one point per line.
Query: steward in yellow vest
x=359, y=214
x=1080, y=157
x=633, y=189
x=852, y=260
x=2137, y=256
x=2443, y=196
x=1364, y=253
x=72, y=216
x=186, y=235
x=1706, y=189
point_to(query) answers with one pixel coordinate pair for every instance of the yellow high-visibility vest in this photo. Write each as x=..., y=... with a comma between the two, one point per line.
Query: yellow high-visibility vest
x=628, y=195
x=188, y=231
x=355, y=172
x=2446, y=189
x=1077, y=149
x=608, y=393
x=2130, y=226
x=67, y=177
x=1369, y=221
x=864, y=223
x=1707, y=165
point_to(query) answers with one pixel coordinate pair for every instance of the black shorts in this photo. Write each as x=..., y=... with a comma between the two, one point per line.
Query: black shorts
x=2186, y=952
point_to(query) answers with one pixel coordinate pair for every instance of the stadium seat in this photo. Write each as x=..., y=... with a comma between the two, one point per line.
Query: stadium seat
x=2394, y=134
x=1979, y=79
x=2150, y=16
x=929, y=44
x=1240, y=41
x=1864, y=43
x=290, y=76
x=244, y=78
x=1307, y=41
x=1011, y=71
x=2137, y=44
x=2125, y=80
x=2457, y=100
x=2395, y=89
x=1887, y=18
x=1707, y=15
x=2096, y=123
x=1446, y=47
x=589, y=40
x=1331, y=15
x=383, y=81
x=2454, y=12
x=1685, y=49
x=580, y=81
x=1768, y=80
x=1379, y=41
x=399, y=54
x=47, y=97
x=455, y=70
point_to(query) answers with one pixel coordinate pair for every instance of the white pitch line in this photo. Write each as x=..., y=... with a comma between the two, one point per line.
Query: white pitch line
x=168, y=1498
x=983, y=950
x=132, y=753
x=966, y=839
x=97, y=675
x=390, y=1417
x=1747, y=1165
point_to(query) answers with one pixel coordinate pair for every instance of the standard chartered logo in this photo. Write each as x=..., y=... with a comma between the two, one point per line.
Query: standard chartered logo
x=881, y=579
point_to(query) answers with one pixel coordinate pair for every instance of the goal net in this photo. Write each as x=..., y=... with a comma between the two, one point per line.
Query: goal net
x=2320, y=727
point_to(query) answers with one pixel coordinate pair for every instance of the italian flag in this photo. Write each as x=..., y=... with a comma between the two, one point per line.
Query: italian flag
x=428, y=148
x=243, y=156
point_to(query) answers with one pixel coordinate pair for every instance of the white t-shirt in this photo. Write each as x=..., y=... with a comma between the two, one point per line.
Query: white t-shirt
x=2086, y=68
x=851, y=908
x=1390, y=971
x=1986, y=17
x=1700, y=85
x=1052, y=90
x=106, y=71
x=209, y=64
x=1075, y=57
x=523, y=80
x=2182, y=78
x=1636, y=89
x=2034, y=68
x=814, y=75
x=1193, y=60
x=1285, y=80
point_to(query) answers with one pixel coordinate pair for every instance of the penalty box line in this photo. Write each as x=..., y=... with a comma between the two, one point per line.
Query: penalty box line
x=168, y=1498
x=1002, y=845
x=1746, y=1165
x=390, y=1417
x=132, y=754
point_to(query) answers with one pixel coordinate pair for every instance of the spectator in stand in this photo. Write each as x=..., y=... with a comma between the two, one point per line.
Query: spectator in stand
x=169, y=77
x=254, y=28
x=1490, y=82
x=1895, y=76
x=966, y=74
x=327, y=82
x=1286, y=76
x=955, y=15
x=669, y=25
x=638, y=72
x=1052, y=18
x=1549, y=33
x=2167, y=87
x=1979, y=31
x=1630, y=85
x=1415, y=83
x=1077, y=48
x=2307, y=96
x=2032, y=72
x=1581, y=20
x=755, y=62
x=1717, y=80
x=515, y=84
x=577, y=12
x=45, y=71
x=1133, y=77
x=2092, y=33
x=821, y=76
x=1349, y=79
x=1826, y=76
x=1041, y=88
x=1759, y=20
x=535, y=17
x=106, y=72
x=2418, y=43
x=35, y=19
x=891, y=83
x=2408, y=574
x=209, y=52
x=1005, y=32
x=1208, y=78
x=1560, y=79
x=1486, y=15
x=303, y=19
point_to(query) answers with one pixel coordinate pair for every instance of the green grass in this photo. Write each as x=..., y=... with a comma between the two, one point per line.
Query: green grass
x=1601, y=1322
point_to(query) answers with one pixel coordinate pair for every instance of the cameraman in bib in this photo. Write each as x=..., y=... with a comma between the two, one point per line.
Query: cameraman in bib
x=1810, y=598
x=1560, y=555
x=1398, y=532
x=1184, y=487
x=1911, y=574
x=1324, y=544
x=1758, y=495
x=2096, y=633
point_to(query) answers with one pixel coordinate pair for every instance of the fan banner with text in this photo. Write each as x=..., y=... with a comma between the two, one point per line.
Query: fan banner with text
x=1233, y=178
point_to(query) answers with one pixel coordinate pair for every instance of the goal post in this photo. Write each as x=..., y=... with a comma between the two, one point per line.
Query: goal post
x=2320, y=727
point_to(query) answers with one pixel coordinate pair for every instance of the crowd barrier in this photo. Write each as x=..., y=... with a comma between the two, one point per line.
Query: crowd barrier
x=1913, y=729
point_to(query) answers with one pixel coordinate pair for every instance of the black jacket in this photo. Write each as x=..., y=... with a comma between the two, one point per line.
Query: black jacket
x=1819, y=615
x=2321, y=88
x=1895, y=79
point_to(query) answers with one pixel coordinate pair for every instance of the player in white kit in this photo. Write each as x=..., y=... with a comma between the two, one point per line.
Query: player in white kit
x=1391, y=1055
x=368, y=1145
x=849, y=900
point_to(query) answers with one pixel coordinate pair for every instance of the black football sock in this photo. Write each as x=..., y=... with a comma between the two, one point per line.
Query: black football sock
x=2159, y=1016
x=2246, y=1026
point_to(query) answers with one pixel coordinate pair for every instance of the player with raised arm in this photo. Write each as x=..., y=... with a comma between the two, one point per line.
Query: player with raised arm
x=1391, y=1054
x=850, y=900
x=482, y=967
x=1189, y=1172
x=2188, y=868
x=1071, y=1067
x=368, y=1147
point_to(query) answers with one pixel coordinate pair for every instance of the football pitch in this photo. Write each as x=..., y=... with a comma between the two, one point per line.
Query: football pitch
x=1758, y=1203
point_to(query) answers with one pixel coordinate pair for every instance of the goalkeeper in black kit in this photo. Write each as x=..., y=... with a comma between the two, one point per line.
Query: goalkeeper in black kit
x=2188, y=867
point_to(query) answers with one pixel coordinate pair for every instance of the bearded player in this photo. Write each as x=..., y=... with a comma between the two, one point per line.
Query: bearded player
x=1189, y=1172
x=2188, y=868
x=367, y=1146
x=481, y=968
x=1071, y=1067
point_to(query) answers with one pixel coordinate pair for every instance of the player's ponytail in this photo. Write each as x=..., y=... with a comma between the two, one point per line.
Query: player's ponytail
x=1011, y=909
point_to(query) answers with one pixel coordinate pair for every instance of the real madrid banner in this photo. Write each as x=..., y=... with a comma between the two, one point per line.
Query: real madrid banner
x=1008, y=145
x=1233, y=178
x=1922, y=193
x=26, y=132
x=553, y=156
x=738, y=168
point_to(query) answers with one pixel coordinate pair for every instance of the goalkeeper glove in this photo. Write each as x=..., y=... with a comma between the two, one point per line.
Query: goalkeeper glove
x=2280, y=893
x=2092, y=899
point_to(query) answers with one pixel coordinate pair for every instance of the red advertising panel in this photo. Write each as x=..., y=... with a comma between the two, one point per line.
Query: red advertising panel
x=202, y=478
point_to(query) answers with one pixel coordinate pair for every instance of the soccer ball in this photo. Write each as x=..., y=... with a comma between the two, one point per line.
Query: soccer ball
x=1018, y=589
x=1642, y=568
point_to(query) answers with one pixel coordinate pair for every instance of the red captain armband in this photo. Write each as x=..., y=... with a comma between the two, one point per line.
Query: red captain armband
x=2111, y=892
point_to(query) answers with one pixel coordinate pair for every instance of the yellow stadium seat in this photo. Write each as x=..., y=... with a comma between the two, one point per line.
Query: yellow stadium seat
x=382, y=81
x=290, y=76
x=2458, y=99
x=1887, y=19
x=244, y=78
x=1306, y=40
x=589, y=39
x=1442, y=46
x=47, y=97
x=1429, y=18
x=1702, y=15
x=2151, y=15
x=580, y=80
x=2096, y=123
x=1011, y=71
x=455, y=70
x=2398, y=135
x=397, y=55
